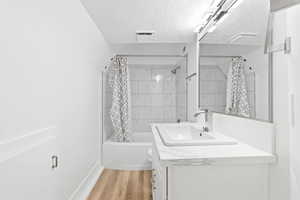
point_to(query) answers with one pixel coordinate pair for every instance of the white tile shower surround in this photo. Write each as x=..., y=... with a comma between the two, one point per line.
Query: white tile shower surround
x=153, y=95
x=213, y=88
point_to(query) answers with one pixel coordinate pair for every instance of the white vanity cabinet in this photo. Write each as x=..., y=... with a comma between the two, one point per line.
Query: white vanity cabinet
x=208, y=172
x=208, y=180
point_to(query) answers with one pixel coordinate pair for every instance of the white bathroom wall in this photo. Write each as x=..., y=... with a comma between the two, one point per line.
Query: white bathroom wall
x=258, y=134
x=280, y=184
x=293, y=31
x=149, y=48
x=212, y=88
x=225, y=50
x=51, y=56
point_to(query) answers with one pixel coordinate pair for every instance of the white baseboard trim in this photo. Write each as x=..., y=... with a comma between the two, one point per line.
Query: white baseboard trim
x=85, y=187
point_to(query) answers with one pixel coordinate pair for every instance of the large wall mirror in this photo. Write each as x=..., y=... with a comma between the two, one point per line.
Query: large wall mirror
x=235, y=74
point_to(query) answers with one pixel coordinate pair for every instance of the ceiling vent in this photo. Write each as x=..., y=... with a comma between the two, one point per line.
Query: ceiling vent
x=145, y=36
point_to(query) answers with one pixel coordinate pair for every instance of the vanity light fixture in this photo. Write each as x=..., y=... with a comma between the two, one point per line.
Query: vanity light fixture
x=236, y=4
x=216, y=4
x=213, y=8
x=217, y=14
x=204, y=20
x=224, y=14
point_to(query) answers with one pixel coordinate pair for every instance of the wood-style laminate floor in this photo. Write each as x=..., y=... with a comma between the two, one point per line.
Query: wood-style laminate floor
x=122, y=185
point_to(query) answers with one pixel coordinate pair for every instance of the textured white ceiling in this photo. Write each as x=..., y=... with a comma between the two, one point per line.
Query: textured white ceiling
x=173, y=20
x=250, y=17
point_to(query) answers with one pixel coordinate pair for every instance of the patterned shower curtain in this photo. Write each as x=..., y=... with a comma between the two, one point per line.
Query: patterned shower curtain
x=119, y=112
x=236, y=97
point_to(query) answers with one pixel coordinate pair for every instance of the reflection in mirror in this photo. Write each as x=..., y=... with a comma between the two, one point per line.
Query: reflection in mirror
x=234, y=71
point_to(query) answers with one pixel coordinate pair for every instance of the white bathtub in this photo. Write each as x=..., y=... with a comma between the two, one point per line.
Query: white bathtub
x=128, y=156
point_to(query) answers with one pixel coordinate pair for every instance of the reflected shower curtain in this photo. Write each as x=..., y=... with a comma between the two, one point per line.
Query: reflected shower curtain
x=119, y=113
x=236, y=97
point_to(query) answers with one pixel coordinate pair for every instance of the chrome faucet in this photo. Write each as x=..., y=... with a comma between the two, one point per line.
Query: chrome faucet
x=205, y=112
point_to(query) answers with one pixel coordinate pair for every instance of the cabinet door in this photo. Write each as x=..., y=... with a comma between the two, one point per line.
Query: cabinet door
x=158, y=178
x=158, y=186
x=219, y=182
x=26, y=172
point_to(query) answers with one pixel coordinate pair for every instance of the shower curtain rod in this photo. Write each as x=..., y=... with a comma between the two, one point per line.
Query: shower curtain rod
x=212, y=56
x=149, y=55
x=220, y=56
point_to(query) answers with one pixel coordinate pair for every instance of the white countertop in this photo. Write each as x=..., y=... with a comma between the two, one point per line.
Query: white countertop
x=238, y=153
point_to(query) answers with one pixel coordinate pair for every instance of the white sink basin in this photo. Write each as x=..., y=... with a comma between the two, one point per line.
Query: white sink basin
x=190, y=135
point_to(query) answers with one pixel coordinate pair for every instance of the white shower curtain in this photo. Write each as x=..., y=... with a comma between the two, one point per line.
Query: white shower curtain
x=236, y=97
x=119, y=112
